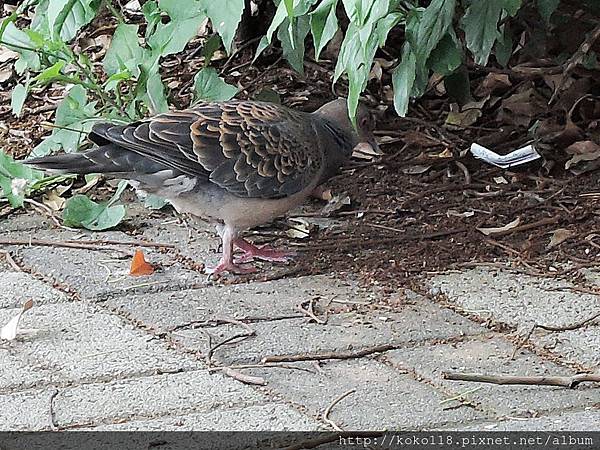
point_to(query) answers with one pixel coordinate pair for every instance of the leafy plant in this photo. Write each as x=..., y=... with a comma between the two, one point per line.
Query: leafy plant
x=128, y=87
x=129, y=84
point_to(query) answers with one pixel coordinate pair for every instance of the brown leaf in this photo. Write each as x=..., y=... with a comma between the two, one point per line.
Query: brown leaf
x=558, y=237
x=521, y=107
x=493, y=82
x=139, y=266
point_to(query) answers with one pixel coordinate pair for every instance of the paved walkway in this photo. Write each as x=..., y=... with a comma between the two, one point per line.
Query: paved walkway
x=106, y=351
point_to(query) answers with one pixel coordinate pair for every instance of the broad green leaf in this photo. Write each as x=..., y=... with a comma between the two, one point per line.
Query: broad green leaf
x=17, y=99
x=156, y=94
x=155, y=202
x=504, y=46
x=113, y=81
x=403, y=79
x=480, y=24
x=432, y=26
x=151, y=13
x=20, y=42
x=225, y=17
x=323, y=25
x=547, y=8
x=446, y=57
x=292, y=36
x=211, y=45
x=82, y=212
x=208, y=86
x=182, y=9
x=74, y=119
x=174, y=36
x=125, y=52
x=67, y=17
x=16, y=179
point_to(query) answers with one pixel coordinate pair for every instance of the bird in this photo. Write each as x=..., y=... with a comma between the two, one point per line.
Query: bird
x=237, y=164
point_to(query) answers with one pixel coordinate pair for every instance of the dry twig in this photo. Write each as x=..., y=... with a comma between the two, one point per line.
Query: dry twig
x=568, y=382
x=349, y=354
x=330, y=407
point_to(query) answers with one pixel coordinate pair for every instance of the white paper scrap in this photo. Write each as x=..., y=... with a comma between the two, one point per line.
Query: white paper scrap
x=520, y=156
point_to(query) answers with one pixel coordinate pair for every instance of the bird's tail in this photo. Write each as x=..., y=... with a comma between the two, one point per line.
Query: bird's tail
x=108, y=158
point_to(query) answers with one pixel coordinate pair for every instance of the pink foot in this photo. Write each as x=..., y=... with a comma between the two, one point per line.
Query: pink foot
x=263, y=252
x=230, y=267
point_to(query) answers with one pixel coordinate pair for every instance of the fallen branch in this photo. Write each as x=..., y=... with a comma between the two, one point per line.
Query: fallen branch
x=85, y=245
x=350, y=354
x=568, y=382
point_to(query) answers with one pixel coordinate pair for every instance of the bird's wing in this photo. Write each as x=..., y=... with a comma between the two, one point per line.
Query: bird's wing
x=250, y=149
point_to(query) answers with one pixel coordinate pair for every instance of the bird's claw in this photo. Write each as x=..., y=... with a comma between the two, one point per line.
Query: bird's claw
x=230, y=267
x=264, y=253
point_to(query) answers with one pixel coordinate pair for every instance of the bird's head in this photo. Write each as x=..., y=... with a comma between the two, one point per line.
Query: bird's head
x=337, y=112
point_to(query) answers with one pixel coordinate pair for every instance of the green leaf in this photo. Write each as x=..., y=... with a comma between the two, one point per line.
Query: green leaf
x=547, y=8
x=292, y=39
x=16, y=179
x=447, y=56
x=125, y=52
x=20, y=42
x=480, y=24
x=51, y=74
x=74, y=119
x=323, y=24
x=156, y=94
x=174, y=36
x=432, y=27
x=67, y=17
x=82, y=212
x=208, y=86
x=17, y=99
x=155, y=202
x=403, y=79
x=225, y=17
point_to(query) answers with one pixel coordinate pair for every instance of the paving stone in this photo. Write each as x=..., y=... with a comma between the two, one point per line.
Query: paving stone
x=515, y=299
x=93, y=273
x=492, y=355
x=26, y=411
x=384, y=398
x=159, y=395
x=588, y=420
x=18, y=287
x=70, y=342
x=274, y=416
x=415, y=322
x=579, y=345
x=256, y=300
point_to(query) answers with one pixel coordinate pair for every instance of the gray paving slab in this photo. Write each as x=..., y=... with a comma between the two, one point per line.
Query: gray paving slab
x=581, y=345
x=588, y=420
x=73, y=342
x=256, y=300
x=492, y=355
x=18, y=287
x=274, y=416
x=516, y=299
x=94, y=273
x=149, y=397
x=25, y=221
x=26, y=411
x=413, y=323
x=383, y=398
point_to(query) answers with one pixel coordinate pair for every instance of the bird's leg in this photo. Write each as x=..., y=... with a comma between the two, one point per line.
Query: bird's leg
x=226, y=264
x=263, y=252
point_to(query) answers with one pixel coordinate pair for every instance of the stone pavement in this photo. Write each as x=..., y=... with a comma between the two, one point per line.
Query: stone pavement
x=106, y=351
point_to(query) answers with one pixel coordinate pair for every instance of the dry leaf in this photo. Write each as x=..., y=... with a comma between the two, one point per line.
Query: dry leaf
x=300, y=229
x=500, y=230
x=336, y=203
x=416, y=169
x=462, y=215
x=9, y=331
x=583, y=151
x=493, y=82
x=139, y=266
x=53, y=200
x=365, y=151
x=558, y=237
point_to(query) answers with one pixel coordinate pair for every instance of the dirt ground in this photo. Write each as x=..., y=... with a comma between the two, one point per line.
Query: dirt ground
x=417, y=208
